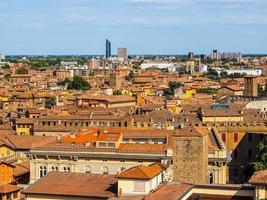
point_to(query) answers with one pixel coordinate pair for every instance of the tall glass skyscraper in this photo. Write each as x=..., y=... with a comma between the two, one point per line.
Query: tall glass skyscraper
x=108, y=48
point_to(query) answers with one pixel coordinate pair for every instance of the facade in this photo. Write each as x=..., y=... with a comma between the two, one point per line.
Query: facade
x=122, y=54
x=6, y=173
x=221, y=113
x=251, y=86
x=115, y=81
x=99, y=153
x=231, y=90
x=190, y=156
x=140, y=179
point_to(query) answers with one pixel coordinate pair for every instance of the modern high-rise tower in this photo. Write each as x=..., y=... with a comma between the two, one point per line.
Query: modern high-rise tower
x=108, y=48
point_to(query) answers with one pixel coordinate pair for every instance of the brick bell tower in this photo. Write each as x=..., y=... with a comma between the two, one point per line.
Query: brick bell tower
x=190, y=155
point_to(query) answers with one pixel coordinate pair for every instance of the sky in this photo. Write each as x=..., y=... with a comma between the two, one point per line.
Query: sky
x=45, y=27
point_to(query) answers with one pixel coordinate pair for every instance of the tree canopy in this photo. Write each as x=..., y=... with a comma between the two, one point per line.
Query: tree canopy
x=22, y=70
x=172, y=86
x=261, y=162
x=78, y=83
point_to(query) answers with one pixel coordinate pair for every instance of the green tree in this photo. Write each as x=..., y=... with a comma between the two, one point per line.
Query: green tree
x=6, y=66
x=261, y=163
x=172, y=86
x=78, y=83
x=22, y=70
x=262, y=92
x=224, y=74
x=212, y=73
x=7, y=76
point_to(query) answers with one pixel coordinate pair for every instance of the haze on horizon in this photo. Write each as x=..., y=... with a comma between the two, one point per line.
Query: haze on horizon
x=143, y=26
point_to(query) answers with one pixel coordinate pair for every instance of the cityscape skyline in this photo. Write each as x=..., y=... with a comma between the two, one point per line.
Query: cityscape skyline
x=143, y=26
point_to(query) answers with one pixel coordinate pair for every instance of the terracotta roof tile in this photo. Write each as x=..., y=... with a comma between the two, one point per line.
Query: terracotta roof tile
x=74, y=184
x=192, y=131
x=4, y=189
x=259, y=177
x=169, y=191
x=142, y=172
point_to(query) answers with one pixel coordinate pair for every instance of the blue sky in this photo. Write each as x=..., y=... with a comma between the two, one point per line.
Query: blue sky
x=144, y=26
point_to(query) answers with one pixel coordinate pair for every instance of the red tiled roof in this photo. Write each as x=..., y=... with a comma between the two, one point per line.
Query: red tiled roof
x=192, y=131
x=21, y=168
x=169, y=191
x=259, y=177
x=142, y=172
x=74, y=184
x=4, y=189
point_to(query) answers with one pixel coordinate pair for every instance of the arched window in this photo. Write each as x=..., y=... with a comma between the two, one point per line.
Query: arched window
x=88, y=170
x=42, y=171
x=211, y=178
x=104, y=170
x=66, y=169
x=54, y=168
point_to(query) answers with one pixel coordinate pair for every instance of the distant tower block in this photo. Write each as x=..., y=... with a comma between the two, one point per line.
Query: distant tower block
x=251, y=86
x=123, y=54
x=190, y=155
x=190, y=56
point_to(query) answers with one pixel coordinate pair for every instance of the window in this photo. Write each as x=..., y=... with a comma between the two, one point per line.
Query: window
x=111, y=144
x=66, y=169
x=139, y=186
x=104, y=170
x=223, y=137
x=8, y=196
x=54, y=168
x=211, y=179
x=15, y=195
x=42, y=171
x=235, y=137
x=102, y=144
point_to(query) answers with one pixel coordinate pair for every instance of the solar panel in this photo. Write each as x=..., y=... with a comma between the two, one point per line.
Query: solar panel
x=219, y=107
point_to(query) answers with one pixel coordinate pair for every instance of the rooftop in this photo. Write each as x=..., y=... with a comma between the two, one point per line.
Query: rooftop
x=74, y=184
x=142, y=172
